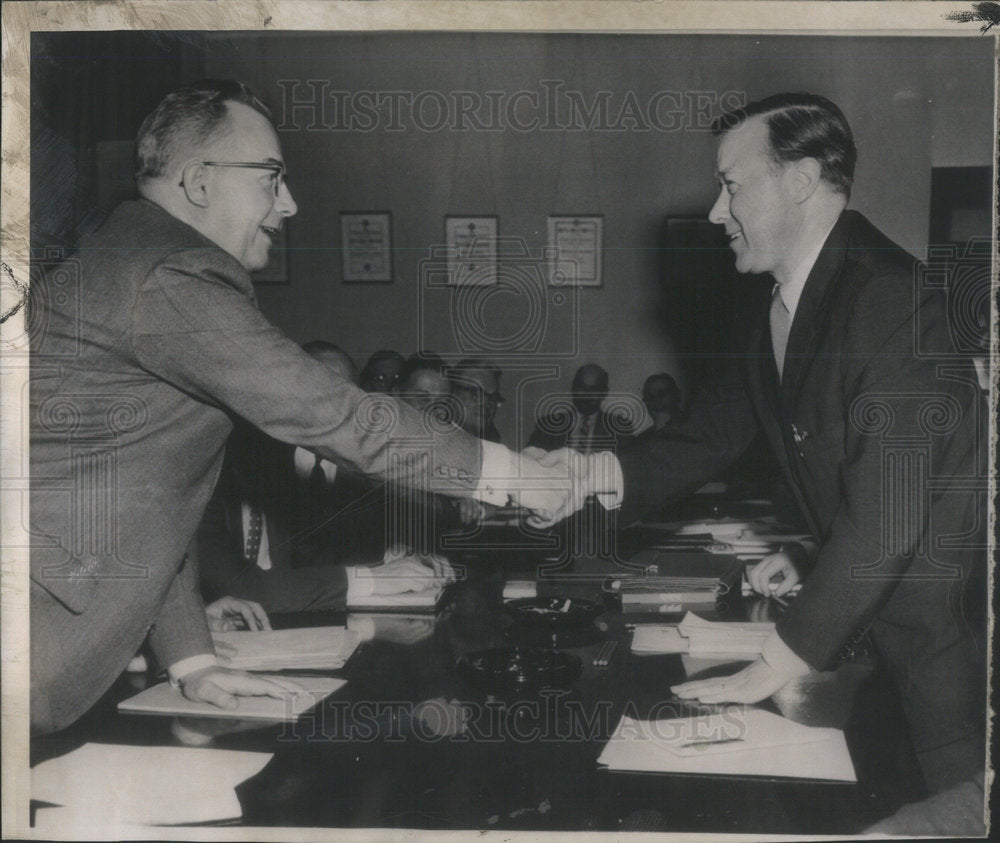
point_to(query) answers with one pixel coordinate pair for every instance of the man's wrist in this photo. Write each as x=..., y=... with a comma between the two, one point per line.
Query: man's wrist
x=179, y=670
x=498, y=474
x=781, y=658
x=360, y=582
x=606, y=479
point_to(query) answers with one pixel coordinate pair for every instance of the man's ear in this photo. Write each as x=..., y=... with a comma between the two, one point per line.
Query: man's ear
x=194, y=180
x=806, y=174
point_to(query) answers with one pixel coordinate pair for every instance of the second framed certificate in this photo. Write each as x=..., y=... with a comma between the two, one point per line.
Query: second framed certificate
x=367, y=247
x=575, y=249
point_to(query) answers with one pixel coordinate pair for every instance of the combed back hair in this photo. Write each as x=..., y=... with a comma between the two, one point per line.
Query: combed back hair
x=185, y=119
x=803, y=126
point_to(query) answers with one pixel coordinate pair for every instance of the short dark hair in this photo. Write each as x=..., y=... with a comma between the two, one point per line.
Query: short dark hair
x=801, y=126
x=191, y=115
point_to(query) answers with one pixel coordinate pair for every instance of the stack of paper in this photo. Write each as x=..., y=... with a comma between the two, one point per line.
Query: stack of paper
x=308, y=648
x=407, y=601
x=698, y=637
x=106, y=785
x=518, y=589
x=298, y=694
x=744, y=742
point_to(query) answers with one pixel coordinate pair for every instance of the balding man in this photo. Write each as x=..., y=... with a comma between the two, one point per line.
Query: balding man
x=134, y=385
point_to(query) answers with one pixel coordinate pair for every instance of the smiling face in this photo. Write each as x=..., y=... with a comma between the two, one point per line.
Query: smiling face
x=243, y=215
x=755, y=202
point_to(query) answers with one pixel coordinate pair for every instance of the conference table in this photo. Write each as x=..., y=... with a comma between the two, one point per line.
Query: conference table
x=413, y=742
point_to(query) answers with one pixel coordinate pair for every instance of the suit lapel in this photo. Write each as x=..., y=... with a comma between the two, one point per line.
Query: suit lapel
x=805, y=336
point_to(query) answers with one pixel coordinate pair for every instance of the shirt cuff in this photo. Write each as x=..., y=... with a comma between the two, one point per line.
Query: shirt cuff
x=362, y=626
x=178, y=670
x=781, y=658
x=360, y=582
x=607, y=481
x=497, y=476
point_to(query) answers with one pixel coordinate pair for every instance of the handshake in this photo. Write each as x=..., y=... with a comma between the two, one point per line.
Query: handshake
x=555, y=484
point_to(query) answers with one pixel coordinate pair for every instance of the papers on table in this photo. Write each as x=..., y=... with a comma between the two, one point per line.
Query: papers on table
x=102, y=785
x=307, y=648
x=698, y=637
x=300, y=694
x=741, y=741
x=407, y=601
x=517, y=589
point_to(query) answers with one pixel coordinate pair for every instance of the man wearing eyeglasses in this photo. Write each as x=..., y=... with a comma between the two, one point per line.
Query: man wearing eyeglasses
x=135, y=382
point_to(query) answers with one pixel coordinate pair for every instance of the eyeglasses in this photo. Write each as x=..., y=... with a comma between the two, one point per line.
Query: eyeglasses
x=278, y=170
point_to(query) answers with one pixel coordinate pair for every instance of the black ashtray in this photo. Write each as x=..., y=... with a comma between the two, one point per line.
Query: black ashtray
x=515, y=668
x=553, y=612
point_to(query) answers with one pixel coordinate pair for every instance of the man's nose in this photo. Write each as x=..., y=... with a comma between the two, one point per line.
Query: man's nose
x=285, y=204
x=720, y=210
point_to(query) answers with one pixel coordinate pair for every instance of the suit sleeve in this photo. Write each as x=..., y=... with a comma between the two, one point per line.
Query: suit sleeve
x=225, y=572
x=880, y=539
x=193, y=327
x=678, y=459
x=180, y=629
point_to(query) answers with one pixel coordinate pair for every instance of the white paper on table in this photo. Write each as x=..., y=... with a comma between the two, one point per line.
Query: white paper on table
x=516, y=589
x=428, y=599
x=655, y=639
x=710, y=638
x=113, y=784
x=766, y=745
x=307, y=648
x=698, y=637
x=303, y=693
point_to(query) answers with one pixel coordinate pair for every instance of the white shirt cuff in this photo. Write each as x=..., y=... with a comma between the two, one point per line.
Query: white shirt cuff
x=498, y=475
x=178, y=670
x=781, y=657
x=362, y=626
x=360, y=583
x=608, y=482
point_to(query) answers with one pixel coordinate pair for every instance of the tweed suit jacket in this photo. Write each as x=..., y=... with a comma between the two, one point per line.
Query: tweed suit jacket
x=145, y=345
x=874, y=425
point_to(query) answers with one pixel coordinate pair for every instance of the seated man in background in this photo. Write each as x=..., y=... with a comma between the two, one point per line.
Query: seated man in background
x=662, y=398
x=422, y=383
x=381, y=372
x=475, y=384
x=256, y=542
x=582, y=425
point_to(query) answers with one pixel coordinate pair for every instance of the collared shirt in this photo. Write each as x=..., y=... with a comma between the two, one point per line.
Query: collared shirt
x=791, y=290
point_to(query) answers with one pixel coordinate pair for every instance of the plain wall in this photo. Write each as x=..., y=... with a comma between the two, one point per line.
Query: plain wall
x=913, y=103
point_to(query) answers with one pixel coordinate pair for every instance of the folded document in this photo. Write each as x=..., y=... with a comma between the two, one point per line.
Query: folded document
x=300, y=694
x=698, y=637
x=742, y=741
x=307, y=648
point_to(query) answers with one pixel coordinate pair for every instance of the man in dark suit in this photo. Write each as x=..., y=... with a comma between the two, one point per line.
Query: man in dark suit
x=583, y=425
x=872, y=419
x=137, y=370
x=260, y=539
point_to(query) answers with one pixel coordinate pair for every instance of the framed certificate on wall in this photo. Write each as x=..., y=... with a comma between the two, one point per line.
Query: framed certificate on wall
x=575, y=248
x=472, y=249
x=366, y=247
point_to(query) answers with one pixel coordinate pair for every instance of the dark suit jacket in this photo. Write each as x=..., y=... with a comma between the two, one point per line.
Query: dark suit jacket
x=305, y=573
x=144, y=345
x=555, y=430
x=865, y=418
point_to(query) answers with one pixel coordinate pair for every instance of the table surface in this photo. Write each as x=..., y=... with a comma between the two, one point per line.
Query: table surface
x=378, y=753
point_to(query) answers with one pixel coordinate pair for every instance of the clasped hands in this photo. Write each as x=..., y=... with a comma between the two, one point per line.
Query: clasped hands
x=555, y=484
